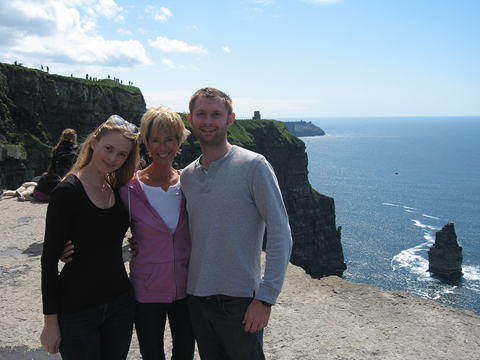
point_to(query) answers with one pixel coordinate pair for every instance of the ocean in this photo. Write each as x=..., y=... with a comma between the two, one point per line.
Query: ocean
x=396, y=182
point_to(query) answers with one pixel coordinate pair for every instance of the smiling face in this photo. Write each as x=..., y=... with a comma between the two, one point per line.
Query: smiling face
x=110, y=152
x=163, y=147
x=210, y=121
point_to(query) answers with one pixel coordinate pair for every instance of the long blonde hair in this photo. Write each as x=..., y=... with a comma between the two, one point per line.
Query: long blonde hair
x=120, y=176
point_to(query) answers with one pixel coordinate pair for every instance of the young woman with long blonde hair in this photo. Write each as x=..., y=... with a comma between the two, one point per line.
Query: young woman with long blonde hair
x=89, y=306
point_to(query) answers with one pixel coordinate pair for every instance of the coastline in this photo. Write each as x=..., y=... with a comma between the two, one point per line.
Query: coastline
x=330, y=318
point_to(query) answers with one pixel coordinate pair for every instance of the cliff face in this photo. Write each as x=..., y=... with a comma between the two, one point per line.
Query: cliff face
x=35, y=107
x=316, y=241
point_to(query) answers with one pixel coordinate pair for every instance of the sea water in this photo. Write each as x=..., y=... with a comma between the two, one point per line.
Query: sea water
x=396, y=182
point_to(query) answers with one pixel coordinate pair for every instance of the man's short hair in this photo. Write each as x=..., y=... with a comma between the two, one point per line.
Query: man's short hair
x=211, y=92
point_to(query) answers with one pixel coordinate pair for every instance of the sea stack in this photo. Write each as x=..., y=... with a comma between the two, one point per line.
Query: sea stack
x=445, y=256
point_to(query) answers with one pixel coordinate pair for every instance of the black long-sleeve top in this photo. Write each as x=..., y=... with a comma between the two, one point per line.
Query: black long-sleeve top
x=97, y=273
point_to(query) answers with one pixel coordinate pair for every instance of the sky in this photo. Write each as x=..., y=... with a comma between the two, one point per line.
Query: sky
x=284, y=58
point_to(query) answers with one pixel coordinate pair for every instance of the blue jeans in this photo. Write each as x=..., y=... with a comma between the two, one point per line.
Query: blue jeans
x=219, y=330
x=150, y=321
x=99, y=332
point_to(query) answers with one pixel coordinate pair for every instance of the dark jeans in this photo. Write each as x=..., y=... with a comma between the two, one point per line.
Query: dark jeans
x=98, y=332
x=219, y=330
x=150, y=321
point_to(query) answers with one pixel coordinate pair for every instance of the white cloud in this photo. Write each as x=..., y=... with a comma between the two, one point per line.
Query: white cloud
x=142, y=31
x=226, y=49
x=178, y=46
x=161, y=14
x=168, y=62
x=163, y=17
x=124, y=32
x=55, y=32
x=108, y=9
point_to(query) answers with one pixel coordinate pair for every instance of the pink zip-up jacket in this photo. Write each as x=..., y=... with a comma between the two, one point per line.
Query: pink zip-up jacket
x=159, y=270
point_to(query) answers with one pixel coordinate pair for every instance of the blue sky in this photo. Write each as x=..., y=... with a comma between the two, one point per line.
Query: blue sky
x=289, y=58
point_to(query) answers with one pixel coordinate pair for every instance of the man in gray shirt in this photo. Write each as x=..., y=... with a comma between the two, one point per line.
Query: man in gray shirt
x=232, y=194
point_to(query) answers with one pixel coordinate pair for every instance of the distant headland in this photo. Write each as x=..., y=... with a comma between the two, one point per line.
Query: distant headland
x=302, y=128
x=297, y=128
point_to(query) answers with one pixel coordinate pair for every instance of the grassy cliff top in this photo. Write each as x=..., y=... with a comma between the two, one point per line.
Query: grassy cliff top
x=52, y=77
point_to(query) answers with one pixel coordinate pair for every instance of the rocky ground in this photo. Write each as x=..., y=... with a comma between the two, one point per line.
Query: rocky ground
x=314, y=319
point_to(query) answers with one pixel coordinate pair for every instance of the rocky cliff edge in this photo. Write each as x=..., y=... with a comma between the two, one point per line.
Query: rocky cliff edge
x=35, y=107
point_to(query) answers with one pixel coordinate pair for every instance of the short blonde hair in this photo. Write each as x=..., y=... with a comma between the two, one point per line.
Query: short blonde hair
x=120, y=176
x=162, y=118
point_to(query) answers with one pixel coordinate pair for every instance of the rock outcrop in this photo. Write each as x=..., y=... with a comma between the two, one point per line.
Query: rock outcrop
x=445, y=256
x=35, y=107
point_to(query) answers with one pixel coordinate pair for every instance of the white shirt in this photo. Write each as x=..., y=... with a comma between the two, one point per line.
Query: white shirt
x=166, y=204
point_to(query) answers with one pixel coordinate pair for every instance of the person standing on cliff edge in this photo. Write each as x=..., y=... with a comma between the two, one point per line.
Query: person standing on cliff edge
x=232, y=194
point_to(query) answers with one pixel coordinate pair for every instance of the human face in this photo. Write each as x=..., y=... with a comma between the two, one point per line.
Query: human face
x=210, y=121
x=110, y=152
x=163, y=147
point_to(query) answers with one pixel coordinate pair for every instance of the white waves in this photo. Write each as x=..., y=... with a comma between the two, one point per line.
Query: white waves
x=413, y=259
x=431, y=217
x=410, y=266
x=471, y=272
x=410, y=208
x=425, y=226
x=413, y=262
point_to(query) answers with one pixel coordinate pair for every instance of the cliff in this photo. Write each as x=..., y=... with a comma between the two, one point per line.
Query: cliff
x=35, y=107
